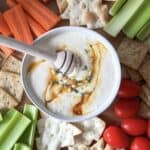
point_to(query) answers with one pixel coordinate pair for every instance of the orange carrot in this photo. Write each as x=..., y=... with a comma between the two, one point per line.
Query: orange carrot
x=4, y=29
x=44, y=16
x=11, y=3
x=7, y=51
x=18, y=24
x=36, y=28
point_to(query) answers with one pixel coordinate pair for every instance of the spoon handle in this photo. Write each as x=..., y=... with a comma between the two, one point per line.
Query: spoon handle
x=28, y=49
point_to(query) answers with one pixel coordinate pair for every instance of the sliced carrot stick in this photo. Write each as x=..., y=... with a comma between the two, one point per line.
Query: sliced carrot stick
x=11, y=3
x=46, y=18
x=36, y=28
x=7, y=51
x=18, y=24
x=4, y=29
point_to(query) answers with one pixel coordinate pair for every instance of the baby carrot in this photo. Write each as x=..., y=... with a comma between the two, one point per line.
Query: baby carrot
x=11, y=3
x=4, y=29
x=46, y=18
x=18, y=24
x=36, y=28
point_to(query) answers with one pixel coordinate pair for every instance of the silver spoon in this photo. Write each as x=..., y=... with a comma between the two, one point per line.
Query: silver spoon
x=64, y=61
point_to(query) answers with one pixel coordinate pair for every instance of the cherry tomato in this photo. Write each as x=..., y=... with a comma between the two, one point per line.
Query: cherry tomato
x=134, y=126
x=129, y=88
x=124, y=107
x=140, y=143
x=148, y=129
x=116, y=137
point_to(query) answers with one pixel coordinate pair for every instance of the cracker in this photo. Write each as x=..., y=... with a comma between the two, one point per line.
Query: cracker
x=132, y=53
x=86, y=12
x=78, y=147
x=92, y=130
x=98, y=145
x=12, y=64
x=57, y=134
x=108, y=147
x=62, y=5
x=134, y=75
x=12, y=84
x=144, y=110
x=145, y=95
x=145, y=71
x=41, y=126
x=147, y=42
x=6, y=100
x=124, y=72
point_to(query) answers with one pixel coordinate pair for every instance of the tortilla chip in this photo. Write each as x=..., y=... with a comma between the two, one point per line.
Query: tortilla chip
x=124, y=72
x=6, y=100
x=92, y=130
x=12, y=84
x=12, y=64
x=144, y=110
x=145, y=72
x=98, y=145
x=132, y=53
x=145, y=95
x=134, y=75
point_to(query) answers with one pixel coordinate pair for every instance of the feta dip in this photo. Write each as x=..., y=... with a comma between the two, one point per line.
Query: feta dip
x=80, y=93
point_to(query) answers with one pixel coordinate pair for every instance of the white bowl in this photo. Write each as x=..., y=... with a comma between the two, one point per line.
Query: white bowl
x=110, y=92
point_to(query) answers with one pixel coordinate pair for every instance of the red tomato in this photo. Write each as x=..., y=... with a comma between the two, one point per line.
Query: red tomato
x=116, y=137
x=129, y=88
x=134, y=126
x=125, y=108
x=148, y=129
x=140, y=143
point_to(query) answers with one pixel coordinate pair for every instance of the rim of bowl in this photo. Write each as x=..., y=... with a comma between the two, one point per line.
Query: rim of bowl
x=73, y=118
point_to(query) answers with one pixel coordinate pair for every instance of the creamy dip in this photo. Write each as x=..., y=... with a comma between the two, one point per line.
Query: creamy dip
x=80, y=93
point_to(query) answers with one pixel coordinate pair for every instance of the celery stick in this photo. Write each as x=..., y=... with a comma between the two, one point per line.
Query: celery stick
x=119, y=21
x=1, y=117
x=14, y=131
x=116, y=7
x=138, y=20
x=20, y=146
x=144, y=32
x=8, y=120
x=32, y=113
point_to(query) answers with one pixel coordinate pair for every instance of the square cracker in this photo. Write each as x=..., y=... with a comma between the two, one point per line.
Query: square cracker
x=12, y=84
x=144, y=110
x=12, y=64
x=145, y=95
x=145, y=71
x=134, y=75
x=132, y=53
x=124, y=72
x=6, y=100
